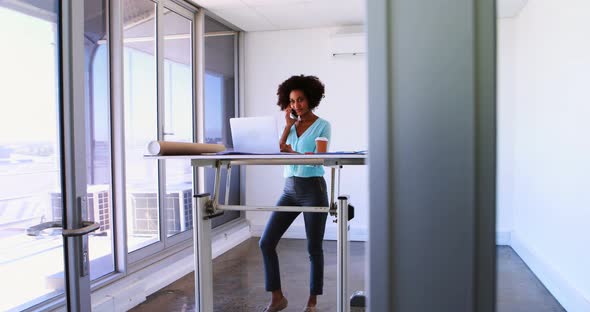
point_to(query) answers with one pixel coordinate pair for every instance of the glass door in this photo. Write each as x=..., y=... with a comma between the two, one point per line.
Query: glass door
x=76, y=220
x=98, y=137
x=44, y=207
x=31, y=260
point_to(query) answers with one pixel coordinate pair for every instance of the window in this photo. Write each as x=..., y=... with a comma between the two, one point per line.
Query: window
x=159, y=103
x=178, y=119
x=32, y=265
x=220, y=105
x=98, y=138
x=141, y=123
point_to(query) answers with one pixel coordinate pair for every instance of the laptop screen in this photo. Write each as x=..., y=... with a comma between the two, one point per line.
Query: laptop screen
x=257, y=135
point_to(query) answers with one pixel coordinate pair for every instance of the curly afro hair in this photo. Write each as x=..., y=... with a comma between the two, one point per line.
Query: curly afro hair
x=311, y=86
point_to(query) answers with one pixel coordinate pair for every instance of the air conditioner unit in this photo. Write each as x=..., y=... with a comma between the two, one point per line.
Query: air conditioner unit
x=178, y=211
x=98, y=206
x=350, y=40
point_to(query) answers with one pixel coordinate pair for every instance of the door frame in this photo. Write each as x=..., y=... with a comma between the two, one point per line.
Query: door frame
x=73, y=151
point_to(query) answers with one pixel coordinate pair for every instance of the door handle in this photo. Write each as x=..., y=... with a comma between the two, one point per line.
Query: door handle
x=36, y=229
x=89, y=226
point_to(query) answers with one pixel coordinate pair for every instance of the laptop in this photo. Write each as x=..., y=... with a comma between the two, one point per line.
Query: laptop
x=254, y=135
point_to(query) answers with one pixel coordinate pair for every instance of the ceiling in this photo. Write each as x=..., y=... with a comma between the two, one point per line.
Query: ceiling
x=509, y=8
x=262, y=15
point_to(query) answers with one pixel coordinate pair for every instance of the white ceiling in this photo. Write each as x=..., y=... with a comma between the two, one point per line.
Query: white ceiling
x=261, y=15
x=509, y=8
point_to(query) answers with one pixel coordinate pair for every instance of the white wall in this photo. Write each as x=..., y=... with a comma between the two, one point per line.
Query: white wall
x=551, y=147
x=272, y=57
x=505, y=129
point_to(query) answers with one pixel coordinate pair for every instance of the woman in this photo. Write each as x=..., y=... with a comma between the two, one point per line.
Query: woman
x=304, y=186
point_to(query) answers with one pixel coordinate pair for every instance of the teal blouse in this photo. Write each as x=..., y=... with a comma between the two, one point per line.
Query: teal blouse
x=306, y=143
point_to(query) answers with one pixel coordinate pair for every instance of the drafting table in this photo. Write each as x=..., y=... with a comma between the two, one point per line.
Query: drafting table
x=207, y=206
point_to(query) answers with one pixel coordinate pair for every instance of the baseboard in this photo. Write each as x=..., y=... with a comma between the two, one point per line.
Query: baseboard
x=298, y=232
x=503, y=238
x=568, y=296
x=133, y=289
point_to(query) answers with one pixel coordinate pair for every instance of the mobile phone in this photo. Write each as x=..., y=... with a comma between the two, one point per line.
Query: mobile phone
x=293, y=115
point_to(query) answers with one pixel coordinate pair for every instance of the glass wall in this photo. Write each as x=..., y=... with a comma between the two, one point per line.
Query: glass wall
x=31, y=253
x=98, y=137
x=141, y=123
x=159, y=105
x=178, y=119
x=220, y=105
x=31, y=260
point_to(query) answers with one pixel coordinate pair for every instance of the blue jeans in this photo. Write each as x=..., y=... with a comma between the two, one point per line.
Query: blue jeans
x=297, y=192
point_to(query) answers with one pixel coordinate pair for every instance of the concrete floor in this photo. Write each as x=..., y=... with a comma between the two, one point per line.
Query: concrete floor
x=239, y=281
x=519, y=290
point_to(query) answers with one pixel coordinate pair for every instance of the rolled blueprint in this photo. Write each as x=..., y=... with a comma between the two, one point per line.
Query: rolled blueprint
x=163, y=148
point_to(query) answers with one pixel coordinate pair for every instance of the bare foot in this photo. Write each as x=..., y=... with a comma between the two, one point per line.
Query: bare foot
x=312, y=301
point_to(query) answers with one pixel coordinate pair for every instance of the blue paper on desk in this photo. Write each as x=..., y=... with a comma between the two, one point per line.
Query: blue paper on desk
x=232, y=152
x=347, y=153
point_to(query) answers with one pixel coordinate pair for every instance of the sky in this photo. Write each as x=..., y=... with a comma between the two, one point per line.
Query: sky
x=29, y=87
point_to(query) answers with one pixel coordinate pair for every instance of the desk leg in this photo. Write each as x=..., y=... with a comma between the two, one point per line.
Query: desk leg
x=342, y=253
x=203, y=256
